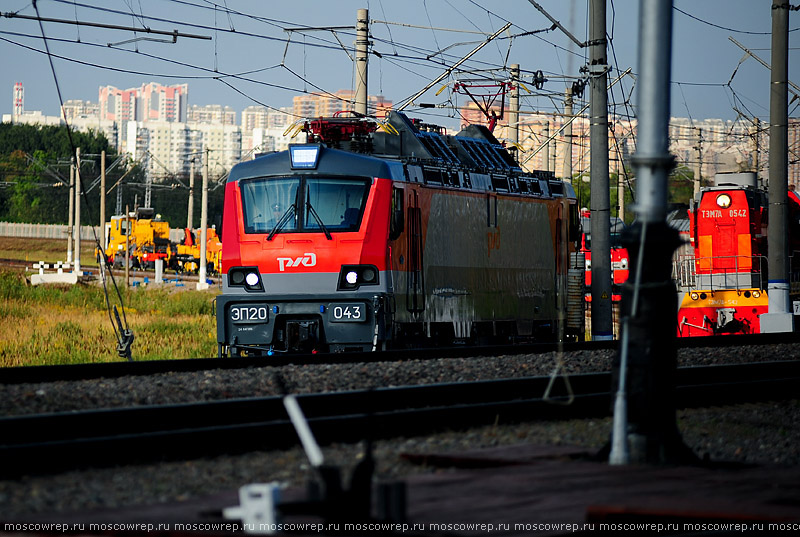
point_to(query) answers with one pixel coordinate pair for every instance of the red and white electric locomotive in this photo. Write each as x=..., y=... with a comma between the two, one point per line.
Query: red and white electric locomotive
x=390, y=234
x=619, y=255
x=723, y=286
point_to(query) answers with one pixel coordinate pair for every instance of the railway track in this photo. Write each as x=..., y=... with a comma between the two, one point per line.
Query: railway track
x=50, y=443
x=29, y=374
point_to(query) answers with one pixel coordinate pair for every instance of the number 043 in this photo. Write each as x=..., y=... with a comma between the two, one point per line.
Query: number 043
x=349, y=312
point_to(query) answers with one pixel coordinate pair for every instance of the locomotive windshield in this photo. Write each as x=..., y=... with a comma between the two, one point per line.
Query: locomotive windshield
x=303, y=204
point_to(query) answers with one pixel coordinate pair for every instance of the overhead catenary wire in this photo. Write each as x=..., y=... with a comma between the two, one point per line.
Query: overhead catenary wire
x=121, y=330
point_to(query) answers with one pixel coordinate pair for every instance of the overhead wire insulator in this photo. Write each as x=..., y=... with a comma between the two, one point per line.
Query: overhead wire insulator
x=539, y=80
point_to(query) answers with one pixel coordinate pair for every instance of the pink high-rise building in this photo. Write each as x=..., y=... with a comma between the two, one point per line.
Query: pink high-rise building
x=117, y=105
x=151, y=102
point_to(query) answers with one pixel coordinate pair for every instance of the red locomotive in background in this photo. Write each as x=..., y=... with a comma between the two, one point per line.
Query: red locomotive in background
x=723, y=286
x=379, y=234
x=619, y=255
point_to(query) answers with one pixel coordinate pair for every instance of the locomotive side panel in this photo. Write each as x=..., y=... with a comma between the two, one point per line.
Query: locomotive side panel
x=477, y=258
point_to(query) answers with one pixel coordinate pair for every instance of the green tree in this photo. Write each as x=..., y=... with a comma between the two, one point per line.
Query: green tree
x=32, y=158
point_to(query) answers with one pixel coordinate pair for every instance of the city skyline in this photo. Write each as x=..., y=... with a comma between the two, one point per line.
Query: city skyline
x=249, y=59
x=703, y=146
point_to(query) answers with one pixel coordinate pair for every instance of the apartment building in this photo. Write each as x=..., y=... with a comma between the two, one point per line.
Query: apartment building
x=211, y=113
x=156, y=120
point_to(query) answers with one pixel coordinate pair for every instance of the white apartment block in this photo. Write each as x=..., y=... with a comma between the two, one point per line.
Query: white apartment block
x=145, y=122
x=263, y=128
x=212, y=113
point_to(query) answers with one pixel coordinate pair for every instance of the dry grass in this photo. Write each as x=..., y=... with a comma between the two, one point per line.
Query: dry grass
x=53, y=324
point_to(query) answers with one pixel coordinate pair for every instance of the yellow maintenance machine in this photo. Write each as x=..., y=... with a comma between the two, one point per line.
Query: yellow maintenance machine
x=187, y=257
x=147, y=241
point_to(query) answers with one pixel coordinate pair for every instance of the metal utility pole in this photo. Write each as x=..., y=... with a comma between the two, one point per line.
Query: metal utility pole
x=779, y=318
x=362, y=47
x=602, y=328
x=201, y=273
x=645, y=429
x=513, y=106
x=77, y=210
x=190, y=212
x=568, y=102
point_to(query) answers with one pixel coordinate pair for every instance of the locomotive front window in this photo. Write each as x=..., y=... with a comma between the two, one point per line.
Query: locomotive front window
x=266, y=201
x=339, y=203
x=303, y=204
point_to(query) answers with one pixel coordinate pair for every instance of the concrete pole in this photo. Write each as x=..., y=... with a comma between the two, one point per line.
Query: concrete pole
x=779, y=318
x=71, y=217
x=513, y=106
x=756, y=148
x=103, y=197
x=602, y=328
x=190, y=212
x=362, y=47
x=620, y=193
x=546, y=146
x=698, y=163
x=201, y=273
x=568, y=102
x=77, y=253
x=127, y=246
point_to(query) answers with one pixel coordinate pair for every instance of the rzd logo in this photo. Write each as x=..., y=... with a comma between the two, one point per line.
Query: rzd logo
x=307, y=260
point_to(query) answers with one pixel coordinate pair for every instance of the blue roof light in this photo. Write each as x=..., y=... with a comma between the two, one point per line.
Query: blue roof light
x=304, y=156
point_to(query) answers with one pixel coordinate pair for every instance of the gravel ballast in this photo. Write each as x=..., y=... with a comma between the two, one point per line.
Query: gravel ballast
x=765, y=433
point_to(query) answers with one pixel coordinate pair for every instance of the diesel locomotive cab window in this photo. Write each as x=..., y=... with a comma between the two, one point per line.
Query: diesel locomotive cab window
x=303, y=204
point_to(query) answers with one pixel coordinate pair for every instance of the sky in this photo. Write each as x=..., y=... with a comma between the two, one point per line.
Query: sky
x=256, y=52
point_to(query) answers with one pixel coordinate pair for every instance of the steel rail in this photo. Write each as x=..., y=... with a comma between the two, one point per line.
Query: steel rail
x=51, y=443
x=53, y=373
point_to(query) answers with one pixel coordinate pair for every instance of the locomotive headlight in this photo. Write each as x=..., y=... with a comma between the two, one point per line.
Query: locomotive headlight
x=354, y=276
x=247, y=277
x=756, y=294
x=724, y=201
x=368, y=274
x=694, y=295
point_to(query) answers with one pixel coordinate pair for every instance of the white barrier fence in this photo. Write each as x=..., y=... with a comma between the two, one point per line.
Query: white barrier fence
x=59, y=231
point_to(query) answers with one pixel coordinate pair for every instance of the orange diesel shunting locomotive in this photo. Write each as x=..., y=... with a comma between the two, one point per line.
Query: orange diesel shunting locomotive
x=724, y=290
